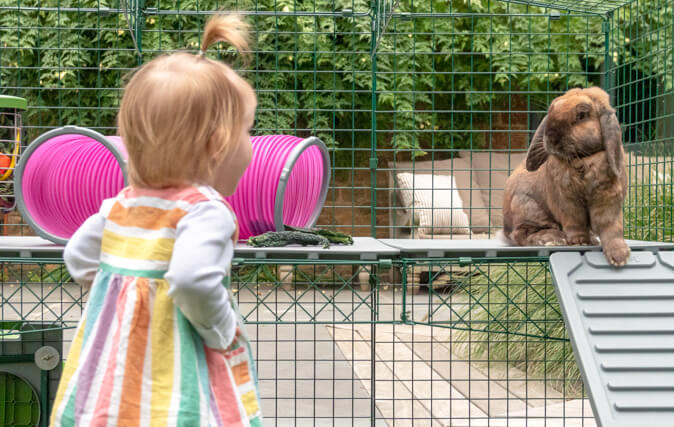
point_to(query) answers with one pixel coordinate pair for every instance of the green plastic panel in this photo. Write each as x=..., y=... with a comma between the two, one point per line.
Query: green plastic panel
x=7, y=101
x=19, y=404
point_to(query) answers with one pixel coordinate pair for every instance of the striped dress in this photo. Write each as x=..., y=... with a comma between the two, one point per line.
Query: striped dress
x=136, y=360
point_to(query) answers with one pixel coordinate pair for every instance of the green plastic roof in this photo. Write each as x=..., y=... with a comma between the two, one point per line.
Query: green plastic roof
x=599, y=7
x=7, y=101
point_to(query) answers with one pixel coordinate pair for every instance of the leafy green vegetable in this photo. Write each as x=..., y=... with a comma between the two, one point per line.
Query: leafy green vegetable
x=331, y=235
x=285, y=238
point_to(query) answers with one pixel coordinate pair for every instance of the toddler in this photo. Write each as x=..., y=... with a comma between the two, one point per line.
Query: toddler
x=160, y=341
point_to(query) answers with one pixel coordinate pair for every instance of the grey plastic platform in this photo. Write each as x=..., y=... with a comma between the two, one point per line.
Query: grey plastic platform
x=621, y=324
x=445, y=248
x=363, y=248
x=29, y=246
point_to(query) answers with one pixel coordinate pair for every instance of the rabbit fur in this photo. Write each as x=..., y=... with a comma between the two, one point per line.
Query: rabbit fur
x=572, y=184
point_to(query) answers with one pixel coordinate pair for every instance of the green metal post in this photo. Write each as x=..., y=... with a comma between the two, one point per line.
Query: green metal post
x=138, y=28
x=44, y=398
x=610, y=85
x=373, y=137
x=373, y=200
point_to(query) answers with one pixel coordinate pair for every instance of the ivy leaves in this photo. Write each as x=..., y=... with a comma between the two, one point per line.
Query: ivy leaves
x=439, y=75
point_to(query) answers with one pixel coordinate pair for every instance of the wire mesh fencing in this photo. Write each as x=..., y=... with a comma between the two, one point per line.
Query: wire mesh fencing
x=434, y=342
x=464, y=92
x=454, y=90
x=641, y=58
x=430, y=96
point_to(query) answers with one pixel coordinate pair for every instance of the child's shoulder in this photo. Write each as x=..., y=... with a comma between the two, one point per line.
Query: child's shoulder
x=188, y=195
x=209, y=192
x=134, y=205
x=184, y=199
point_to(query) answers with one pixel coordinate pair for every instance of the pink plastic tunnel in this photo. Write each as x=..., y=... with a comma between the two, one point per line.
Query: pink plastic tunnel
x=66, y=173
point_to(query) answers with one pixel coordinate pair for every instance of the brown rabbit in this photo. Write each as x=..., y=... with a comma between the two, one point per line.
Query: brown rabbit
x=571, y=186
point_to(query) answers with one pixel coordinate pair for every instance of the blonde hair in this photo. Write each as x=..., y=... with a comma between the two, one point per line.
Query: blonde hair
x=181, y=111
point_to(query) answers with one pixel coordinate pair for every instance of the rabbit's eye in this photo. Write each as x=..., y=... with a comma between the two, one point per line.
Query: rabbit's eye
x=581, y=115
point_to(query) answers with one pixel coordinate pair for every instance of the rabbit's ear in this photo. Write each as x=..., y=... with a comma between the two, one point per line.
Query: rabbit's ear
x=610, y=130
x=537, y=155
x=612, y=135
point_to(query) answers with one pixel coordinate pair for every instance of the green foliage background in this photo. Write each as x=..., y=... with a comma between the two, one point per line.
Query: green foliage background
x=312, y=67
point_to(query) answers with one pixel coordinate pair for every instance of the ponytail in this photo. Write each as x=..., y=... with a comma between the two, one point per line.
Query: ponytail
x=226, y=28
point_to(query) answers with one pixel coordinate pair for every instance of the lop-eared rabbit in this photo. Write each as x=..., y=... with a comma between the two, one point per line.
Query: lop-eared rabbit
x=572, y=184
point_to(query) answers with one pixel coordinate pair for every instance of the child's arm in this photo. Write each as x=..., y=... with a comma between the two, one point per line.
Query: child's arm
x=201, y=258
x=83, y=251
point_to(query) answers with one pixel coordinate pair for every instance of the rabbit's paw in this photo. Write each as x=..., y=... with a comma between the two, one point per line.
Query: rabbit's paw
x=548, y=237
x=583, y=238
x=617, y=252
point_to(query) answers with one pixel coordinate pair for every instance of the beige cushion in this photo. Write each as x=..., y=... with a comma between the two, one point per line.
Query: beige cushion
x=492, y=169
x=435, y=202
x=466, y=184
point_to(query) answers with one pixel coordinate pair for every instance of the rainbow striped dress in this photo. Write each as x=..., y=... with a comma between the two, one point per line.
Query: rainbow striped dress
x=136, y=360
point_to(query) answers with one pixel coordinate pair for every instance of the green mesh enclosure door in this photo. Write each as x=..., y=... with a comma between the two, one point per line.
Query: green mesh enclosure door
x=19, y=405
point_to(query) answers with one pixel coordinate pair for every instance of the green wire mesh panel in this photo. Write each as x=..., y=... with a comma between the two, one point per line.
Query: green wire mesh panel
x=383, y=12
x=306, y=293
x=445, y=80
x=38, y=293
x=506, y=296
x=588, y=6
x=498, y=339
x=312, y=74
x=39, y=306
x=642, y=77
x=461, y=88
x=304, y=318
x=19, y=406
x=311, y=69
x=343, y=343
x=445, y=88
